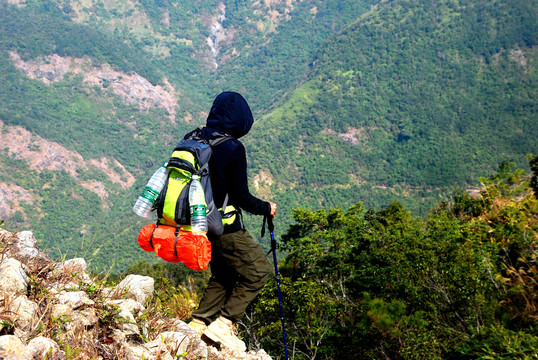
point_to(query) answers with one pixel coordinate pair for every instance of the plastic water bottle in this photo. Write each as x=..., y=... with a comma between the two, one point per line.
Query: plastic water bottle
x=145, y=202
x=198, y=207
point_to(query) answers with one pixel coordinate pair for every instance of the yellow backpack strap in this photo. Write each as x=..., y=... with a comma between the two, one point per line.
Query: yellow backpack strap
x=228, y=213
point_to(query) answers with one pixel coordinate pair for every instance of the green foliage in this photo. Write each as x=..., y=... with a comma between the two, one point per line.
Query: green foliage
x=534, y=180
x=358, y=101
x=364, y=105
x=384, y=284
x=69, y=40
x=280, y=58
x=498, y=342
x=409, y=96
x=95, y=124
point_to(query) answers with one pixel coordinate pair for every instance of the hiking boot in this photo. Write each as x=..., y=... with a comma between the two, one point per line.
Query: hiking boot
x=198, y=325
x=222, y=331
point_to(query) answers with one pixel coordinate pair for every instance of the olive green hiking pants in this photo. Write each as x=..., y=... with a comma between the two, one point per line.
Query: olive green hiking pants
x=239, y=270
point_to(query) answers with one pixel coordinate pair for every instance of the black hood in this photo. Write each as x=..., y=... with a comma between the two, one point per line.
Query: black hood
x=231, y=114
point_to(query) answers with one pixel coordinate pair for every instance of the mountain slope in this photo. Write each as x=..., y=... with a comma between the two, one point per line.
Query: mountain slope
x=411, y=97
x=95, y=94
x=357, y=101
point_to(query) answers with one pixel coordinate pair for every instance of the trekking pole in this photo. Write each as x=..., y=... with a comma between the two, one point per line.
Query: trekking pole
x=273, y=249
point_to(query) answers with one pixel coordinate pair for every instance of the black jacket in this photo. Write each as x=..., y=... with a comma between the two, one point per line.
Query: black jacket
x=231, y=114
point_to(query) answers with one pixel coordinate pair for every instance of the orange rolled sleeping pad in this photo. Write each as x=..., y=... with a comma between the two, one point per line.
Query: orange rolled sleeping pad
x=192, y=250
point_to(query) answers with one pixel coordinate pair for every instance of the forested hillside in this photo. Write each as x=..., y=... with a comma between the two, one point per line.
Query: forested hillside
x=460, y=283
x=354, y=100
x=410, y=98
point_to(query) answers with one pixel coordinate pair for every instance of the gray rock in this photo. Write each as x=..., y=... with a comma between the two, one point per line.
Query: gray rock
x=58, y=287
x=259, y=355
x=13, y=279
x=176, y=343
x=128, y=309
x=136, y=287
x=130, y=305
x=158, y=349
x=25, y=311
x=23, y=247
x=137, y=352
x=74, y=299
x=61, y=311
x=11, y=348
x=75, y=317
x=75, y=268
x=42, y=348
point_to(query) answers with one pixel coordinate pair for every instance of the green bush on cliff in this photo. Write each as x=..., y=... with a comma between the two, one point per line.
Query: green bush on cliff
x=460, y=283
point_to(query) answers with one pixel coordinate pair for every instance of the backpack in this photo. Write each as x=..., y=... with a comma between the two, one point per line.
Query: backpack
x=171, y=238
x=190, y=157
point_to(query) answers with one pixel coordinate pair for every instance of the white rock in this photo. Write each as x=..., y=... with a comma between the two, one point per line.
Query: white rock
x=25, y=311
x=213, y=353
x=158, y=349
x=136, y=287
x=176, y=343
x=128, y=308
x=61, y=311
x=74, y=299
x=261, y=355
x=144, y=328
x=107, y=292
x=43, y=348
x=58, y=287
x=141, y=352
x=11, y=348
x=76, y=264
x=128, y=325
x=23, y=335
x=74, y=267
x=87, y=317
x=130, y=305
x=5, y=235
x=13, y=279
x=28, y=243
x=200, y=350
x=72, y=318
x=181, y=326
x=23, y=247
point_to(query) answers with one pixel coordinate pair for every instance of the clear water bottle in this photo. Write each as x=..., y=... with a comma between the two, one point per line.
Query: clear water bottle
x=145, y=202
x=198, y=207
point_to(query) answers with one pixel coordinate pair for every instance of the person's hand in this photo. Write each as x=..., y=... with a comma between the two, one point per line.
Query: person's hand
x=273, y=208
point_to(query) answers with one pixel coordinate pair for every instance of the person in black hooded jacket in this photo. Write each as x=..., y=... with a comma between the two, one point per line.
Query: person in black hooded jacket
x=239, y=267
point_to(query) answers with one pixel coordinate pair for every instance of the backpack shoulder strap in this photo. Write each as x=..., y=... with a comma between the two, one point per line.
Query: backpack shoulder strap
x=218, y=138
x=215, y=139
x=194, y=135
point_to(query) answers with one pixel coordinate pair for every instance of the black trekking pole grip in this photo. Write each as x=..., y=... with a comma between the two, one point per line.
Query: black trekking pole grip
x=271, y=228
x=270, y=224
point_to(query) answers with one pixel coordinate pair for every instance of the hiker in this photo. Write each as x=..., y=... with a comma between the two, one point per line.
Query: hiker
x=239, y=268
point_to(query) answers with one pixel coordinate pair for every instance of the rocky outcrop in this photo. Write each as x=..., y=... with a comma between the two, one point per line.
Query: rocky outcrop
x=42, y=154
x=55, y=310
x=217, y=33
x=132, y=88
